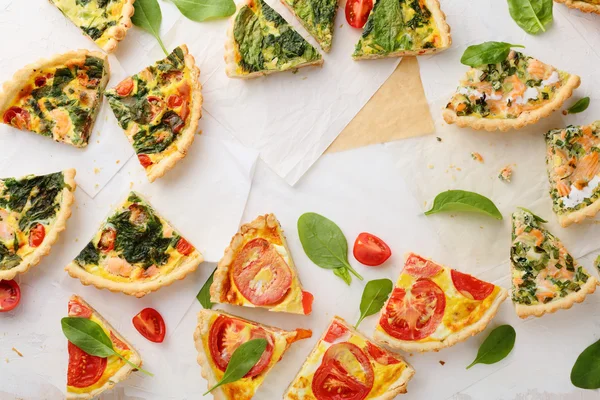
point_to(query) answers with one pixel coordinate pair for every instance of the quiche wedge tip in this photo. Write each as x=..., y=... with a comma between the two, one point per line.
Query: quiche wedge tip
x=588, y=6
x=317, y=17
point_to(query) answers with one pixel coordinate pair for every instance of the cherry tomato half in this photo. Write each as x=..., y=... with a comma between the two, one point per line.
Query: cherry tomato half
x=150, y=324
x=144, y=160
x=357, y=12
x=125, y=87
x=370, y=250
x=10, y=295
x=37, y=235
x=184, y=247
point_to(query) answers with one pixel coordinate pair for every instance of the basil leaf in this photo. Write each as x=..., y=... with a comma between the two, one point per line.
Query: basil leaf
x=586, y=371
x=241, y=362
x=374, y=296
x=538, y=219
x=147, y=15
x=496, y=346
x=204, y=10
x=486, y=53
x=462, y=200
x=203, y=295
x=325, y=244
x=531, y=15
x=580, y=106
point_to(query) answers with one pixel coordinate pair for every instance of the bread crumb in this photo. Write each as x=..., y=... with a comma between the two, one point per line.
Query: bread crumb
x=96, y=186
x=130, y=185
x=477, y=157
x=442, y=362
x=97, y=170
x=505, y=174
x=18, y=352
x=430, y=166
x=118, y=161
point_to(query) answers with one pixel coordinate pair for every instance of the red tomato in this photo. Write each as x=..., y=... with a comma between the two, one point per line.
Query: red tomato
x=125, y=87
x=144, y=160
x=414, y=314
x=17, y=117
x=40, y=81
x=380, y=355
x=107, y=240
x=335, y=331
x=174, y=101
x=370, y=250
x=10, y=295
x=84, y=369
x=307, y=300
x=256, y=256
x=76, y=309
x=37, y=235
x=357, y=12
x=470, y=286
x=118, y=343
x=150, y=324
x=419, y=267
x=185, y=110
x=184, y=247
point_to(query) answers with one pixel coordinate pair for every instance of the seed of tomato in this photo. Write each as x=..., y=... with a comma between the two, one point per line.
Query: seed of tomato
x=10, y=295
x=150, y=324
x=357, y=12
x=370, y=250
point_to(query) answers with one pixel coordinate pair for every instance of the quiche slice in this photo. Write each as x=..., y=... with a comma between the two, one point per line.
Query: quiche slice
x=89, y=375
x=219, y=334
x=589, y=6
x=398, y=28
x=58, y=98
x=159, y=109
x=516, y=92
x=545, y=277
x=135, y=252
x=33, y=212
x=317, y=17
x=104, y=21
x=260, y=42
x=257, y=270
x=433, y=307
x=344, y=364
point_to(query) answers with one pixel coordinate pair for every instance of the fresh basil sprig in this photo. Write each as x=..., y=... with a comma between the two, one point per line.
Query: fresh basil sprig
x=462, y=200
x=496, y=346
x=205, y=10
x=531, y=15
x=580, y=106
x=241, y=362
x=203, y=295
x=486, y=53
x=91, y=338
x=374, y=296
x=325, y=244
x=586, y=371
x=148, y=16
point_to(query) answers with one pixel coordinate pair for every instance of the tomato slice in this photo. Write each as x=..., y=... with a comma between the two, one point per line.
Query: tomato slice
x=414, y=314
x=40, y=81
x=10, y=295
x=419, y=267
x=37, y=235
x=125, y=87
x=357, y=12
x=107, y=240
x=470, y=286
x=17, y=117
x=335, y=331
x=174, y=100
x=184, y=247
x=84, y=369
x=150, y=324
x=380, y=355
x=260, y=273
x=144, y=160
x=370, y=250
x=77, y=309
x=307, y=301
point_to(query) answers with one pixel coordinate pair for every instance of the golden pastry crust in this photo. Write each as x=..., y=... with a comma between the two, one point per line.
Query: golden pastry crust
x=581, y=6
x=51, y=237
x=117, y=33
x=576, y=217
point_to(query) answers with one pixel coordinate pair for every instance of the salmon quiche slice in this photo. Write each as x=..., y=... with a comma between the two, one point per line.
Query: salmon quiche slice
x=345, y=364
x=135, y=252
x=260, y=42
x=545, y=277
x=58, y=98
x=159, y=109
x=589, y=6
x=516, y=92
x=33, y=212
x=219, y=334
x=433, y=307
x=572, y=159
x=317, y=17
x=104, y=21
x=89, y=375
x=257, y=270
x=398, y=28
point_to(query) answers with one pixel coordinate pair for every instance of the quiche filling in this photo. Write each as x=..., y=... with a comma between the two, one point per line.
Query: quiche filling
x=318, y=17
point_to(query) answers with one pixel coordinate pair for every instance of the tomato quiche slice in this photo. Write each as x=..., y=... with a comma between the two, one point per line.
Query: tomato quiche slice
x=104, y=21
x=33, y=212
x=433, y=307
x=344, y=364
x=589, y=6
x=317, y=17
x=159, y=109
x=257, y=270
x=516, y=92
x=89, y=375
x=219, y=334
x=398, y=28
x=545, y=277
x=260, y=42
x=58, y=98
x=135, y=251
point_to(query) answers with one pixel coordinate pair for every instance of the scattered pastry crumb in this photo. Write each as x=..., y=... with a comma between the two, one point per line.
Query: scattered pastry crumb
x=118, y=161
x=18, y=352
x=130, y=185
x=477, y=157
x=430, y=166
x=410, y=354
x=505, y=173
x=96, y=186
x=97, y=141
x=439, y=139
x=442, y=362
x=295, y=71
x=97, y=170
x=7, y=360
x=303, y=78
x=341, y=25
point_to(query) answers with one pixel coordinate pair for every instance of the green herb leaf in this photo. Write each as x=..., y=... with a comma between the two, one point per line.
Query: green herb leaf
x=531, y=15
x=537, y=218
x=586, y=371
x=580, y=106
x=325, y=244
x=203, y=295
x=374, y=296
x=241, y=362
x=148, y=16
x=496, y=346
x=462, y=200
x=204, y=10
x=486, y=53
x=597, y=263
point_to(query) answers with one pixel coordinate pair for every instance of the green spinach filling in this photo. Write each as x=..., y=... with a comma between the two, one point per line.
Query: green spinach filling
x=318, y=18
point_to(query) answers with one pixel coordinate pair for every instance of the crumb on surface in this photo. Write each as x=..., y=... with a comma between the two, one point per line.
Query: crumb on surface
x=477, y=157
x=430, y=166
x=118, y=161
x=442, y=362
x=130, y=185
x=97, y=170
x=18, y=352
x=505, y=174
x=96, y=186
x=439, y=139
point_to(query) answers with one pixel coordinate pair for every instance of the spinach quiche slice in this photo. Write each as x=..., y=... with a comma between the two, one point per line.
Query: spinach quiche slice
x=257, y=270
x=545, y=277
x=135, y=252
x=260, y=42
x=589, y=6
x=516, y=92
x=104, y=21
x=58, y=98
x=219, y=334
x=33, y=212
x=159, y=109
x=87, y=375
x=398, y=28
x=317, y=17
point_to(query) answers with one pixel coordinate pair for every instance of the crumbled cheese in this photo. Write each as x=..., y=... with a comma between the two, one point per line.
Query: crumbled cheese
x=577, y=196
x=554, y=78
x=530, y=94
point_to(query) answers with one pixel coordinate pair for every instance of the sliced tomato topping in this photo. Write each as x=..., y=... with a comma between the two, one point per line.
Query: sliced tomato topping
x=419, y=267
x=125, y=87
x=17, y=117
x=470, y=286
x=307, y=301
x=380, y=355
x=261, y=274
x=414, y=314
x=370, y=250
x=118, y=343
x=37, y=235
x=357, y=12
x=107, y=240
x=144, y=160
x=335, y=331
x=150, y=324
x=84, y=369
x=40, y=81
x=174, y=100
x=10, y=295
x=184, y=247
x=77, y=309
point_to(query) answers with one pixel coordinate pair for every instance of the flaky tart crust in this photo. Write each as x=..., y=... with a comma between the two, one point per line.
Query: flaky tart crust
x=580, y=215
x=581, y=6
